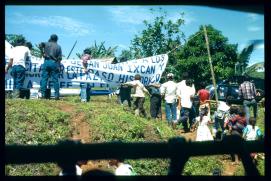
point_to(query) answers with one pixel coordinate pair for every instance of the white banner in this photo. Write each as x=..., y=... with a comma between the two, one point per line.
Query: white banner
x=101, y=74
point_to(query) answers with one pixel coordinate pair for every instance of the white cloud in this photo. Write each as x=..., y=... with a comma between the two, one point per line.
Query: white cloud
x=70, y=25
x=261, y=46
x=137, y=14
x=254, y=28
x=253, y=17
x=188, y=17
x=131, y=15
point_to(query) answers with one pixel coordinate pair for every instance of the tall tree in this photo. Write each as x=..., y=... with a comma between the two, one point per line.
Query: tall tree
x=159, y=36
x=193, y=57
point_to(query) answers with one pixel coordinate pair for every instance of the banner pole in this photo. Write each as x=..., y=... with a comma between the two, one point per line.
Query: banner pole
x=210, y=62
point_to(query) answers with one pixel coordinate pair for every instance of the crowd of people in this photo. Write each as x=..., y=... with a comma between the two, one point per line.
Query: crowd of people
x=52, y=54
x=179, y=99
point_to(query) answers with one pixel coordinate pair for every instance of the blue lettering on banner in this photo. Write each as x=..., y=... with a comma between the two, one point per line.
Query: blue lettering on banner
x=113, y=67
x=69, y=76
x=104, y=74
x=34, y=67
x=74, y=76
x=69, y=84
x=28, y=66
x=148, y=70
x=96, y=74
x=61, y=69
x=29, y=84
x=145, y=80
x=129, y=69
x=122, y=78
x=88, y=77
x=157, y=76
x=108, y=77
x=136, y=69
x=125, y=78
x=145, y=60
x=50, y=84
x=93, y=64
x=62, y=84
x=76, y=62
x=161, y=66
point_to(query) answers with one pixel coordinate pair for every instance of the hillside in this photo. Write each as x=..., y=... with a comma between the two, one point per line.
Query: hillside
x=101, y=120
x=256, y=70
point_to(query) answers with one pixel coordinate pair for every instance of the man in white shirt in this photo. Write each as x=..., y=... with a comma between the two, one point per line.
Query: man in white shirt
x=168, y=91
x=185, y=96
x=139, y=95
x=180, y=85
x=20, y=54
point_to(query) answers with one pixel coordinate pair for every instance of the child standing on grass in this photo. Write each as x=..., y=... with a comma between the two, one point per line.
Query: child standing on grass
x=232, y=113
x=252, y=132
x=203, y=132
x=236, y=127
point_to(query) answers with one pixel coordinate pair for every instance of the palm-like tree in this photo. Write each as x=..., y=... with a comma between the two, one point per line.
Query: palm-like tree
x=244, y=56
x=99, y=51
x=243, y=59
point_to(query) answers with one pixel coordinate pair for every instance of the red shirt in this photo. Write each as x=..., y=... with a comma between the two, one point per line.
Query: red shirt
x=203, y=95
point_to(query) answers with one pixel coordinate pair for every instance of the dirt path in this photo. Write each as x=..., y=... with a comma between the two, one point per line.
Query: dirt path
x=81, y=131
x=80, y=128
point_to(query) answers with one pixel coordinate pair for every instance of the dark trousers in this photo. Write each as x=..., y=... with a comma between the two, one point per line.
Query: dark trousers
x=247, y=104
x=187, y=114
x=139, y=104
x=18, y=74
x=155, y=107
x=124, y=100
x=50, y=68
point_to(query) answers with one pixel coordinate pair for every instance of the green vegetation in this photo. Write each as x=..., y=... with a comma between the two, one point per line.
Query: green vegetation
x=251, y=71
x=34, y=122
x=45, y=122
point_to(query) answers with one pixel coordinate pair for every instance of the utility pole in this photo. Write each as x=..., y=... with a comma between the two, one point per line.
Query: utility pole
x=210, y=62
x=72, y=49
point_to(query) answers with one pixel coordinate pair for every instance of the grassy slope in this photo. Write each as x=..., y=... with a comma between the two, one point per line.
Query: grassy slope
x=27, y=122
x=34, y=122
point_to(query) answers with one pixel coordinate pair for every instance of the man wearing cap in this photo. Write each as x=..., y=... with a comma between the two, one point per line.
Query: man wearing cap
x=20, y=54
x=52, y=57
x=168, y=91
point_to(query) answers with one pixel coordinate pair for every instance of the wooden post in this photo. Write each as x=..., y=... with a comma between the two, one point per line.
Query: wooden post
x=210, y=62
